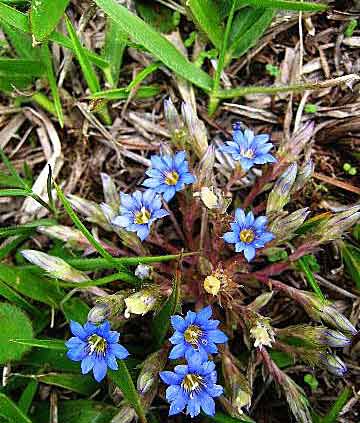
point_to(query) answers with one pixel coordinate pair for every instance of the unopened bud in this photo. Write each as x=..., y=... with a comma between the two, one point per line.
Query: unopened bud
x=296, y=398
x=212, y=285
x=149, y=374
x=284, y=227
x=338, y=224
x=298, y=141
x=334, y=338
x=197, y=130
x=111, y=194
x=280, y=194
x=72, y=236
x=141, y=302
x=126, y=415
x=333, y=318
x=304, y=174
x=333, y=364
x=90, y=209
x=172, y=117
x=99, y=313
x=205, y=169
x=143, y=271
x=260, y=301
x=54, y=266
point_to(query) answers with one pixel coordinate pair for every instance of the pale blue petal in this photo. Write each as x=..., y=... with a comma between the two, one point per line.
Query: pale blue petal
x=87, y=364
x=249, y=253
x=99, y=369
x=78, y=330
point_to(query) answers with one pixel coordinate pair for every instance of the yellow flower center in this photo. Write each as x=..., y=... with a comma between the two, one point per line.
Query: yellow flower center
x=249, y=154
x=142, y=217
x=192, y=382
x=247, y=236
x=97, y=344
x=212, y=285
x=171, y=178
x=192, y=334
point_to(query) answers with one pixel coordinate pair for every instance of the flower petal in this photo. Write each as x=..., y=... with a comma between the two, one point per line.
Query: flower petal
x=99, y=369
x=119, y=351
x=87, y=364
x=249, y=253
x=78, y=330
x=177, y=352
x=170, y=378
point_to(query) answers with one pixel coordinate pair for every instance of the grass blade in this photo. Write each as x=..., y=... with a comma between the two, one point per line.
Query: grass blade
x=333, y=414
x=51, y=344
x=155, y=43
x=300, y=6
x=44, y=17
x=310, y=277
x=123, y=93
x=21, y=67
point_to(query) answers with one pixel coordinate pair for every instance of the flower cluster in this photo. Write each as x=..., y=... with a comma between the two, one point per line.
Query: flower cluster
x=168, y=174
x=96, y=346
x=194, y=385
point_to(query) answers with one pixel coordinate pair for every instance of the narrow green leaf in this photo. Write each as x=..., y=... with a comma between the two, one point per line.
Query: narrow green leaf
x=12, y=170
x=155, y=43
x=27, y=396
x=310, y=277
x=48, y=63
x=14, y=193
x=223, y=418
x=52, y=344
x=84, y=385
x=21, y=67
x=161, y=322
x=21, y=42
x=8, y=293
x=11, y=244
x=26, y=227
x=44, y=17
x=143, y=74
x=10, y=411
x=119, y=276
x=206, y=16
x=333, y=414
x=123, y=380
x=123, y=93
x=301, y=6
x=115, y=44
x=351, y=257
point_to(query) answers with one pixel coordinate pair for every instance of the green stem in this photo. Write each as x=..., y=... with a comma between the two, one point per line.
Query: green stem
x=214, y=99
x=122, y=276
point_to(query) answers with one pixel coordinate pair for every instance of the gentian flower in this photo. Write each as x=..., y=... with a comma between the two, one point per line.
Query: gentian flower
x=96, y=347
x=138, y=211
x=249, y=149
x=168, y=174
x=248, y=233
x=197, y=333
x=192, y=386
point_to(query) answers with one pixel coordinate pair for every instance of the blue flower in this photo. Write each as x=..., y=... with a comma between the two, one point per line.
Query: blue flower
x=192, y=386
x=249, y=149
x=169, y=174
x=96, y=347
x=248, y=233
x=197, y=333
x=138, y=211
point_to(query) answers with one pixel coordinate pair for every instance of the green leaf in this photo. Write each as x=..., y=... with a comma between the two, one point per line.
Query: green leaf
x=80, y=411
x=301, y=6
x=52, y=344
x=21, y=68
x=281, y=359
x=155, y=43
x=351, y=258
x=143, y=74
x=31, y=285
x=14, y=323
x=156, y=15
x=223, y=418
x=161, y=322
x=21, y=42
x=76, y=309
x=304, y=266
x=11, y=411
x=27, y=396
x=248, y=26
x=115, y=44
x=47, y=360
x=25, y=228
x=123, y=380
x=44, y=17
x=123, y=93
x=82, y=384
x=333, y=414
x=12, y=296
x=206, y=16
x=14, y=193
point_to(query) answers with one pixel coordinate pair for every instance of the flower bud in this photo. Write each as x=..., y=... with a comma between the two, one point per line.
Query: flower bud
x=172, y=117
x=333, y=364
x=334, y=338
x=333, y=318
x=212, y=285
x=111, y=194
x=99, y=313
x=72, y=236
x=149, y=374
x=197, y=130
x=260, y=301
x=298, y=141
x=90, y=209
x=142, y=302
x=205, y=169
x=143, y=271
x=54, y=266
x=126, y=415
x=280, y=194
x=304, y=174
x=284, y=227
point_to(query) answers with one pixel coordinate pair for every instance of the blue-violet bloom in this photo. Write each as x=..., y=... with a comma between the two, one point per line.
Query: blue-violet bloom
x=248, y=233
x=168, y=174
x=196, y=333
x=96, y=346
x=138, y=211
x=249, y=149
x=192, y=386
